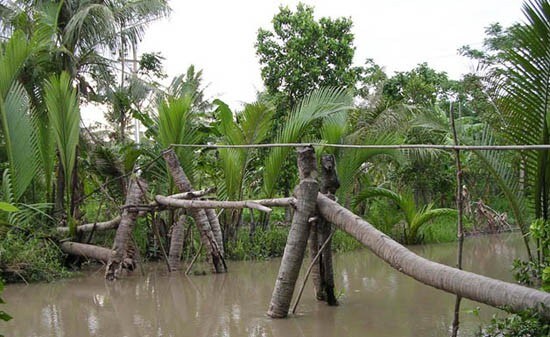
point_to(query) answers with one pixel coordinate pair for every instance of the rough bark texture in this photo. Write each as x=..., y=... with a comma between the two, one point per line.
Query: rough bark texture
x=216, y=228
x=329, y=185
x=176, y=244
x=469, y=285
x=98, y=226
x=316, y=278
x=199, y=215
x=117, y=262
x=209, y=204
x=87, y=251
x=192, y=195
x=293, y=255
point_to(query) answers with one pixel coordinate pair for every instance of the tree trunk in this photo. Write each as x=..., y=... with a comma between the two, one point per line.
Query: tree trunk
x=201, y=220
x=316, y=277
x=469, y=285
x=216, y=228
x=176, y=244
x=329, y=185
x=97, y=226
x=117, y=262
x=293, y=255
x=87, y=251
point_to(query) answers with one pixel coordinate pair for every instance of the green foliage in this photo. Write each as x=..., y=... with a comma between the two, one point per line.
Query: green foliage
x=30, y=258
x=523, y=113
x=261, y=245
x=177, y=125
x=251, y=126
x=64, y=115
x=420, y=86
x=343, y=242
x=20, y=140
x=4, y=316
x=415, y=217
x=318, y=105
x=301, y=54
x=536, y=271
x=525, y=324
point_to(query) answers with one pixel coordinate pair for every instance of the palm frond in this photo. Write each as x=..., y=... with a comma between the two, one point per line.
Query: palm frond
x=350, y=161
x=176, y=126
x=20, y=139
x=504, y=176
x=319, y=104
x=64, y=114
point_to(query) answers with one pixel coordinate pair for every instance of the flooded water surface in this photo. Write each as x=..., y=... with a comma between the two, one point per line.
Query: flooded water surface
x=375, y=300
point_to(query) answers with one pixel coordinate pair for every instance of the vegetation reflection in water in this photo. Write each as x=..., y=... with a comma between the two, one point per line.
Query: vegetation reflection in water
x=375, y=300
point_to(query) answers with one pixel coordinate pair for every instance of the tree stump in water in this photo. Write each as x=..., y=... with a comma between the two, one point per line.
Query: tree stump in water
x=306, y=196
x=322, y=273
x=123, y=251
x=208, y=237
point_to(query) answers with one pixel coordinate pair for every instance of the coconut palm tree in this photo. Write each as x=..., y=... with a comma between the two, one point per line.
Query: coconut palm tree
x=64, y=115
x=523, y=107
x=250, y=126
x=316, y=106
x=415, y=217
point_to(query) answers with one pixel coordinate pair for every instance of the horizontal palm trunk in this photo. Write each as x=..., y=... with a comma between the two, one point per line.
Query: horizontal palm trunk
x=97, y=226
x=209, y=204
x=87, y=251
x=466, y=284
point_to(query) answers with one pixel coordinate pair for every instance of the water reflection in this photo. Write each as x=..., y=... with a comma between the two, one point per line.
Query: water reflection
x=375, y=300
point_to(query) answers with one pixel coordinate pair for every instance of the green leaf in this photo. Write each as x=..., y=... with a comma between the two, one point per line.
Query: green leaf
x=6, y=207
x=4, y=316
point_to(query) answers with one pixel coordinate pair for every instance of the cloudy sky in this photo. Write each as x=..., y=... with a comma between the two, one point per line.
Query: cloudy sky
x=218, y=36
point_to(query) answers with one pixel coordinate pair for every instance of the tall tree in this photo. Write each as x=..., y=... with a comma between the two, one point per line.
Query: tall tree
x=301, y=53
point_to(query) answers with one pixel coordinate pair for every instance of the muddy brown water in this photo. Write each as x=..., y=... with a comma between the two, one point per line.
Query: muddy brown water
x=375, y=300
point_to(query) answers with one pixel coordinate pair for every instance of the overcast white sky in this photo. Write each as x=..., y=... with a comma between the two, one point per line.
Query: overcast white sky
x=218, y=36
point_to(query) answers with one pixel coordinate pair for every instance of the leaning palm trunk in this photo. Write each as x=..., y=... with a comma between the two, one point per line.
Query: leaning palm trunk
x=216, y=228
x=123, y=248
x=176, y=244
x=293, y=255
x=469, y=285
x=199, y=215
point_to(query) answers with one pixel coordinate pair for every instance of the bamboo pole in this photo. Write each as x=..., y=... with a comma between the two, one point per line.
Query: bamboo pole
x=460, y=227
x=293, y=255
x=475, y=287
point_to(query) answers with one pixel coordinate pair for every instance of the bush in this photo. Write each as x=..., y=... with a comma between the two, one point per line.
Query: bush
x=526, y=324
x=29, y=259
x=262, y=245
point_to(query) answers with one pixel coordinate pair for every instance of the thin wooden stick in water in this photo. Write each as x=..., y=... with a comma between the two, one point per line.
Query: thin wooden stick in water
x=460, y=226
x=314, y=261
x=194, y=259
